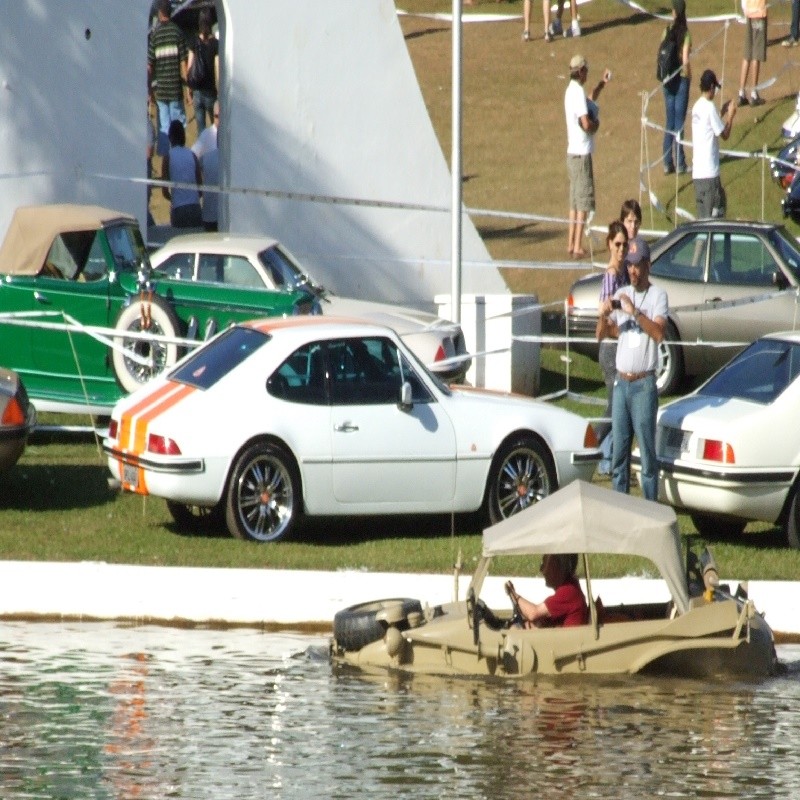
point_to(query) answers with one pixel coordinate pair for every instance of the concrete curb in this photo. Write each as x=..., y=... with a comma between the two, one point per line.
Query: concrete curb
x=288, y=599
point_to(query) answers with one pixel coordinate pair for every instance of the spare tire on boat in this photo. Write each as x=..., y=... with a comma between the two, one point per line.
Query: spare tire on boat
x=360, y=625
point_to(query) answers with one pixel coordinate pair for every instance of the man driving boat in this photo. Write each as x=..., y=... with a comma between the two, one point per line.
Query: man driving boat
x=566, y=606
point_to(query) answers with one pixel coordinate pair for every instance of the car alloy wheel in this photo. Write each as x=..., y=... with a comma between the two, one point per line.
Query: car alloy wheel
x=263, y=498
x=522, y=473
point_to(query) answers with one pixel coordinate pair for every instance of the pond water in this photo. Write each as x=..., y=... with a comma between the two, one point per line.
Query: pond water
x=104, y=711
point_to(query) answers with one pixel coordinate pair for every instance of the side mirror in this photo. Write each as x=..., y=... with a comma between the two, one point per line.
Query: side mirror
x=779, y=280
x=405, y=397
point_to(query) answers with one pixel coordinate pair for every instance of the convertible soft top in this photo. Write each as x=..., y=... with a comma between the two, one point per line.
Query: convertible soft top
x=33, y=229
x=584, y=518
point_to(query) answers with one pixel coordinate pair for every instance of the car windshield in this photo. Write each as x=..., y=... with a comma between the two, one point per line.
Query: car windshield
x=212, y=363
x=759, y=374
x=788, y=249
x=127, y=247
x=282, y=268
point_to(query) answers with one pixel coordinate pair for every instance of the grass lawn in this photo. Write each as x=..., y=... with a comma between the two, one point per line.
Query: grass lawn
x=56, y=504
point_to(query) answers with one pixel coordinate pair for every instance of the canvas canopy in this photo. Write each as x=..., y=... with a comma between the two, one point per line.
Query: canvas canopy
x=33, y=229
x=584, y=518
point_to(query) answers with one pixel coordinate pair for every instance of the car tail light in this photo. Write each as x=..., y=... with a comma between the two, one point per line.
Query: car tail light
x=162, y=445
x=13, y=414
x=590, y=437
x=440, y=354
x=714, y=450
x=113, y=427
x=570, y=302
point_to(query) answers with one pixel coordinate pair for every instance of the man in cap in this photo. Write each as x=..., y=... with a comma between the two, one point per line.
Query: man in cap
x=707, y=128
x=582, y=123
x=637, y=317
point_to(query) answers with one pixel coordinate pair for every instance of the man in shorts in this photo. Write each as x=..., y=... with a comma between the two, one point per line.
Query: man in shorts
x=582, y=123
x=707, y=128
x=755, y=49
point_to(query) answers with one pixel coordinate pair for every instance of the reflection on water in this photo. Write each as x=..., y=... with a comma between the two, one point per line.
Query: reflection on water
x=99, y=711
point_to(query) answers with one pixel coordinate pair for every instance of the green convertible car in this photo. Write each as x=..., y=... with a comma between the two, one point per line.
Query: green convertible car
x=74, y=279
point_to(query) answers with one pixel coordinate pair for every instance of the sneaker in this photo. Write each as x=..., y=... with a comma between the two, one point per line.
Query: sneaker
x=548, y=37
x=526, y=36
x=576, y=28
x=683, y=170
x=757, y=100
x=669, y=170
x=555, y=27
x=742, y=101
x=789, y=42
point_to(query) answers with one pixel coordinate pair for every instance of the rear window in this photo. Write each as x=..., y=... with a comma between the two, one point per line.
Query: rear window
x=759, y=374
x=212, y=363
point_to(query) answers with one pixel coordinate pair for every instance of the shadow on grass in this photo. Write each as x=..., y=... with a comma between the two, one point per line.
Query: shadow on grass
x=529, y=232
x=33, y=487
x=336, y=531
x=769, y=539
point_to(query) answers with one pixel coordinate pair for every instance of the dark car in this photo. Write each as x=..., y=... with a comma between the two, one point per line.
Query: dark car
x=728, y=284
x=780, y=166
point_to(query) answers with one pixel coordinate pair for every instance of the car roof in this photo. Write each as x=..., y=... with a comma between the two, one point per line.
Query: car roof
x=223, y=243
x=321, y=327
x=33, y=228
x=787, y=336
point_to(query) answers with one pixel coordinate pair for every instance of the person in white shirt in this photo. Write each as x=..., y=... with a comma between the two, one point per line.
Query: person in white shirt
x=582, y=123
x=707, y=128
x=636, y=316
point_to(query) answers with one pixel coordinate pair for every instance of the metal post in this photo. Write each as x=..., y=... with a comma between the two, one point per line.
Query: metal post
x=455, y=168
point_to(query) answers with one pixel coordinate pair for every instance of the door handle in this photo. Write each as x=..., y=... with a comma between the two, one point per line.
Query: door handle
x=41, y=298
x=345, y=427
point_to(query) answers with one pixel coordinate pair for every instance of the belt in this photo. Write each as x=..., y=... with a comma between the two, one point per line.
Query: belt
x=635, y=376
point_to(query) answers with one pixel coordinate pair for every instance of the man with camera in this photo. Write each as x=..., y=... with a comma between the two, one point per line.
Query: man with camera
x=637, y=316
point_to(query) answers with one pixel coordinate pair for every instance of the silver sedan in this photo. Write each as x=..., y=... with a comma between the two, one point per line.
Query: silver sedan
x=728, y=284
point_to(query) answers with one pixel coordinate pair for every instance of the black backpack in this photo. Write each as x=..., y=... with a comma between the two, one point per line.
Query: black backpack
x=198, y=74
x=669, y=60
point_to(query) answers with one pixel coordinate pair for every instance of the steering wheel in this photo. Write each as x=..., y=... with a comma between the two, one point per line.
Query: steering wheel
x=516, y=618
x=473, y=616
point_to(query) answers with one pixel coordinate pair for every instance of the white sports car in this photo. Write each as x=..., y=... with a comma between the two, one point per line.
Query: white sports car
x=730, y=451
x=259, y=262
x=278, y=418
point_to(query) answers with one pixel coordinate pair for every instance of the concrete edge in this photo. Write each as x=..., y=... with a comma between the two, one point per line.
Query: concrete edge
x=288, y=599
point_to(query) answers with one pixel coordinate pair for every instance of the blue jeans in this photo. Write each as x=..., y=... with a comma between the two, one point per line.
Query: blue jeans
x=634, y=412
x=676, y=104
x=168, y=111
x=794, y=30
x=203, y=103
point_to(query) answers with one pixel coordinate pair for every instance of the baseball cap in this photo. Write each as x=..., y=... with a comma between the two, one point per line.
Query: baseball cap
x=709, y=79
x=638, y=250
x=578, y=62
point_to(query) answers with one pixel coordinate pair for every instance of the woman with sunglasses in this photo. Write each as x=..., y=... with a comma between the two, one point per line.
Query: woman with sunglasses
x=615, y=276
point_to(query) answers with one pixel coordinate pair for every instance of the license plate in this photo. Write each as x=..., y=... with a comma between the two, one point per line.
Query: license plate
x=677, y=440
x=130, y=476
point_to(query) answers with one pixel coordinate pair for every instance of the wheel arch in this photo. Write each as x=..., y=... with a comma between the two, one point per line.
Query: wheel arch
x=506, y=440
x=266, y=438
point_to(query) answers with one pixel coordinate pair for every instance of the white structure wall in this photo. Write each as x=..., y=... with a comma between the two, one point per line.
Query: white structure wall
x=319, y=99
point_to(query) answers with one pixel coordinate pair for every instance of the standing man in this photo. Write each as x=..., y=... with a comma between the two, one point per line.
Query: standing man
x=638, y=319
x=707, y=126
x=755, y=49
x=582, y=123
x=794, y=28
x=166, y=73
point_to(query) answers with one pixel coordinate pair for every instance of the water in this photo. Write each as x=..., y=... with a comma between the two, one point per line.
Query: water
x=102, y=711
